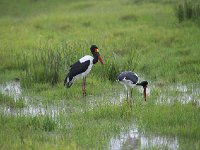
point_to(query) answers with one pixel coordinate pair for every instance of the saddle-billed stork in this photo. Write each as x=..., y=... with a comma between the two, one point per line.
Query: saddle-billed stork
x=130, y=79
x=82, y=67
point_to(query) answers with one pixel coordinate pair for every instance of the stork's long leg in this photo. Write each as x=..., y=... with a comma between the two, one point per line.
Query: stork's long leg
x=131, y=95
x=83, y=86
x=128, y=95
x=131, y=99
x=126, y=88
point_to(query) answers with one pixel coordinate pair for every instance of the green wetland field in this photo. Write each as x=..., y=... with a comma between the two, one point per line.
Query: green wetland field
x=158, y=39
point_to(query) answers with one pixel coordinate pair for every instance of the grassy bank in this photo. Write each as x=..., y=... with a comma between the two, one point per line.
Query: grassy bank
x=147, y=33
x=84, y=130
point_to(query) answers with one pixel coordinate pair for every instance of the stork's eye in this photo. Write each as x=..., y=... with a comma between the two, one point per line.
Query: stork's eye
x=96, y=50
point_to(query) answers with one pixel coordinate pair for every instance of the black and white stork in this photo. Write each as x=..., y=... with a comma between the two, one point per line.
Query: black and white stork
x=82, y=68
x=130, y=79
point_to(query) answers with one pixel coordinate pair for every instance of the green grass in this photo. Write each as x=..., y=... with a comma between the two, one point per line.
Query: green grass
x=41, y=39
x=10, y=102
x=89, y=127
x=174, y=120
x=148, y=36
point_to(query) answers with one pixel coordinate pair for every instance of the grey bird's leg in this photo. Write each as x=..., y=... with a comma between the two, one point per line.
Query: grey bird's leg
x=126, y=88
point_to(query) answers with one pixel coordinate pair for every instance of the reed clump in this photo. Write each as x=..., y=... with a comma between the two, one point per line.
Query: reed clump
x=41, y=67
x=187, y=10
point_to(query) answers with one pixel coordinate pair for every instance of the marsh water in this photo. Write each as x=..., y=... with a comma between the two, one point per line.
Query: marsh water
x=133, y=139
x=127, y=139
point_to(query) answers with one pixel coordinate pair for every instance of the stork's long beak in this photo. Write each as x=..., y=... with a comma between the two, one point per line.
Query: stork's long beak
x=100, y=59
x=145, y=94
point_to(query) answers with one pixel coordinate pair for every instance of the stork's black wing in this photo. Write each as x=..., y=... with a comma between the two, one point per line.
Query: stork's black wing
x=128, y=75
x=78, y=68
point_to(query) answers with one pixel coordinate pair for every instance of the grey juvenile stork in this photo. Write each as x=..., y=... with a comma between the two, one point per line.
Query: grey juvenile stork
x=130, y=79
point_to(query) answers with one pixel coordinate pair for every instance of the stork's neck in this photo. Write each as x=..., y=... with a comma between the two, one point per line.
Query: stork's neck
x=95, y=60
x=139, y=84
x=143, y=83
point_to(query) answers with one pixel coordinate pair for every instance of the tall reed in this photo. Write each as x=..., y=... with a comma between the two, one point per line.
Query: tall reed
x=188, y=9
x=49, y=64
x=41, y=67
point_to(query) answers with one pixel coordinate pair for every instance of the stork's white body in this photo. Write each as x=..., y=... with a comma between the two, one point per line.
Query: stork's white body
x=82, y=60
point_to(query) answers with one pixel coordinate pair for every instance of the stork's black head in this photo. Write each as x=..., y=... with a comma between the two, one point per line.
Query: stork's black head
x=144, y=83
x=95, y=51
